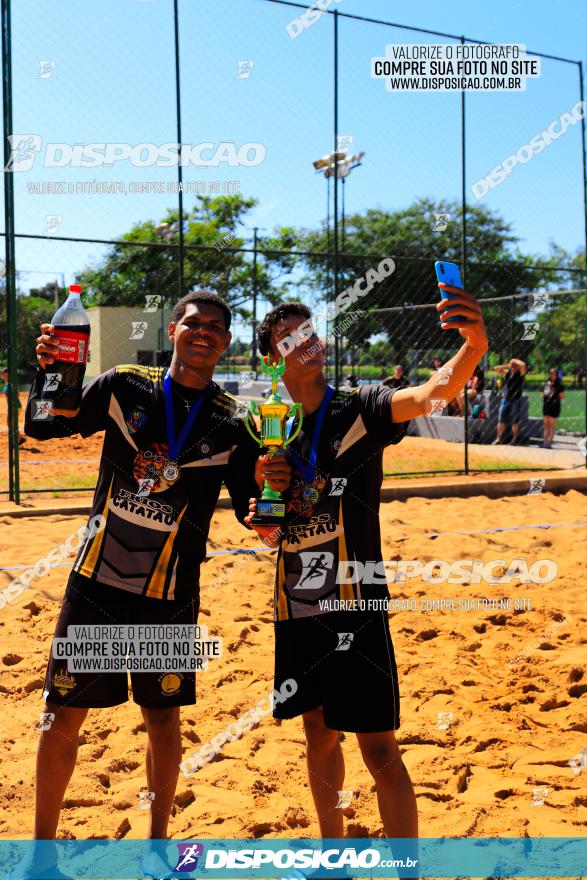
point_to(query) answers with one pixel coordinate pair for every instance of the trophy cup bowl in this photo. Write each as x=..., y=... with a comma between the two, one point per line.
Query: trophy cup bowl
x=274, y=414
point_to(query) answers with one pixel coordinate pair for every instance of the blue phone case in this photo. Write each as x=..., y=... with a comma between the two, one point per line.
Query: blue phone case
x=448, y=273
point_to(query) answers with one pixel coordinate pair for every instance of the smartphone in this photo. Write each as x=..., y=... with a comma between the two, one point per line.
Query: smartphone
x=448, y=273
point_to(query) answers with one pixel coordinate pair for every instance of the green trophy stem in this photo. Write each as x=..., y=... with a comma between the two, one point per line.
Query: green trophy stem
x=270, y=494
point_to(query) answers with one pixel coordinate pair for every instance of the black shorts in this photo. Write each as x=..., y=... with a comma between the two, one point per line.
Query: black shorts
x=343, y=661
x=100, y=604
x=551, y=409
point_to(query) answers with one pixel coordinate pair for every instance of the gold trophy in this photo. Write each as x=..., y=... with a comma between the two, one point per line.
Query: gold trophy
x=273, y=414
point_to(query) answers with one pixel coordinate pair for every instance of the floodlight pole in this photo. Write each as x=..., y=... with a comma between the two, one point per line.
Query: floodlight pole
x=341, y=353
x=335, y=229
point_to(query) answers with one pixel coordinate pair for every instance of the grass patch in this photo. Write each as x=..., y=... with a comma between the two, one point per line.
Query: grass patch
x=64, y=481
x=478, y=464
x=572, y=416
x=440, y=464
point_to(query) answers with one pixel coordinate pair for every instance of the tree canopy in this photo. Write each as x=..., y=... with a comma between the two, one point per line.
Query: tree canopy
x=297, y=263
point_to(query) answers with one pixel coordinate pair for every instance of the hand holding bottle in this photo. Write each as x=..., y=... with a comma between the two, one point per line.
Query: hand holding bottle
x=47, y=346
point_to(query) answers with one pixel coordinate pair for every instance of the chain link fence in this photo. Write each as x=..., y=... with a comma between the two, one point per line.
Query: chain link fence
x=258, y=96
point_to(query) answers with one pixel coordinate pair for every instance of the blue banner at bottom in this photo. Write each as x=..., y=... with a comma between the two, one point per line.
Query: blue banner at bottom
x=295, y=859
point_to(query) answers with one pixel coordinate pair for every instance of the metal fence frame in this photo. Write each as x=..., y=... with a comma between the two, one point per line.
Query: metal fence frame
x=10, y=235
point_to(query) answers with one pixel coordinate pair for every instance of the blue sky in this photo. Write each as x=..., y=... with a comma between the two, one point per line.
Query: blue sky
x=113, y=81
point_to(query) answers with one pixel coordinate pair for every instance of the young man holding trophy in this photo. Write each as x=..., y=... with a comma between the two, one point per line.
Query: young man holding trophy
x=331, y=622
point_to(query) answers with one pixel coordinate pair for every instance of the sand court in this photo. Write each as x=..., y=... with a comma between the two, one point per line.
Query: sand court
x=492, y=678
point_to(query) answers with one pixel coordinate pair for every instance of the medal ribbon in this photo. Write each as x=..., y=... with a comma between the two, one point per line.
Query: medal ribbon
x=176, y=444
x=309, y=470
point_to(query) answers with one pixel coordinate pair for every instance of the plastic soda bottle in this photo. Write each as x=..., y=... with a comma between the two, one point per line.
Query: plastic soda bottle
x=64, y=377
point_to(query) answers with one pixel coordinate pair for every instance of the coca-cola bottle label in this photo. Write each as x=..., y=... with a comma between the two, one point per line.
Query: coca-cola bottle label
x=73, y=346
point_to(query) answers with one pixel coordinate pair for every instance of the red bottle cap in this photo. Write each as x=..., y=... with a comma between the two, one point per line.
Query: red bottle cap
x=75, y=288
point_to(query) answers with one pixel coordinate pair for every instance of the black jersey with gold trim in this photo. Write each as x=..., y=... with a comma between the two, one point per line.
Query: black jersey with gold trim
x=332, y=542
x=157, y=512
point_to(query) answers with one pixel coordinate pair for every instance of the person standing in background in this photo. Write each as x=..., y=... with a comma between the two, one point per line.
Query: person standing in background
x=398, y=380
x=475, y=387
x=552, y=394
x=511, y=402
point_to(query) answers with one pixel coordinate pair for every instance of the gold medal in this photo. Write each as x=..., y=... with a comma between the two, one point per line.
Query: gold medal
x=171, y=471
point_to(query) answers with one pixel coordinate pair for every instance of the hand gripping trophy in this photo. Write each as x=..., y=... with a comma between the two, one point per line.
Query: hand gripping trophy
x=274, y=436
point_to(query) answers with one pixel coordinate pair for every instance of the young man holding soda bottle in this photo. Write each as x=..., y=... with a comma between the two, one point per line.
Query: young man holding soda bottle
x=171, y=438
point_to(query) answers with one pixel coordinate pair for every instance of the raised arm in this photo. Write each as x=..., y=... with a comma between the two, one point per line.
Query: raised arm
x=448, y=380
x=520, y=364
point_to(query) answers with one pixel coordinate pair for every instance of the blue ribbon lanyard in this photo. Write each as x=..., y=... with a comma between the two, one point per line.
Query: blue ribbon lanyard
x=308, y=471
x=176, y=444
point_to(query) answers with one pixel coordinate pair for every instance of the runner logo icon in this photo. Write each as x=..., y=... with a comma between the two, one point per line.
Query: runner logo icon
x=337, y=485
x=315, y=567
x=189, y=853
x=344, y=641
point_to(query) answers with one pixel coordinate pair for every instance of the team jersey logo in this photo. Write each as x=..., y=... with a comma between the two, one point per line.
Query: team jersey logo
x=137, y=418
x=63, y=682
x=170, y=683
x=141, y=510
x=335, y=444
x=318, y=529
x=205, y=447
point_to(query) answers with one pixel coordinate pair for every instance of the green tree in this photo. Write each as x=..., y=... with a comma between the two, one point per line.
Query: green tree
x=214, y=231
x=495, y=269
x=562, y=325
x=31, y=312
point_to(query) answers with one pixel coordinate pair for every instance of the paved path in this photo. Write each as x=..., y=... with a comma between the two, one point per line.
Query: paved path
x=564, y=454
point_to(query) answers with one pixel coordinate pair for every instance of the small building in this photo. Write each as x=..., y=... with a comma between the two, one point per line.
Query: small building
x=126, y=335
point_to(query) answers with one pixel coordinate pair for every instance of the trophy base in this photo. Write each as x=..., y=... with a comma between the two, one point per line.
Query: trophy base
x=269, y=513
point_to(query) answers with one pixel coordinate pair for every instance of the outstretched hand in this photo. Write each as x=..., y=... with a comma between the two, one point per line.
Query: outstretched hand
x=465, y=314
